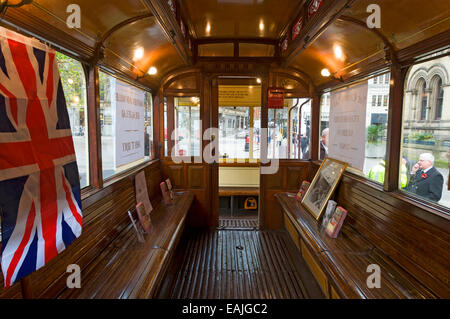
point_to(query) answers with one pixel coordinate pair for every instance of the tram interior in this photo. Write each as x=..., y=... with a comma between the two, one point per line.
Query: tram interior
x=218, y=112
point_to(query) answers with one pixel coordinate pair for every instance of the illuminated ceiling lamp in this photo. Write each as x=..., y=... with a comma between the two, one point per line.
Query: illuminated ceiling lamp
x=208, y=28
x=138, y=54
x=325, y=73
x=258, y=80
x=152, y=70
x=338, y=53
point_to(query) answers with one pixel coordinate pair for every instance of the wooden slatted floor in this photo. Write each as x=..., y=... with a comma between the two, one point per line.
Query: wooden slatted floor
x=235, y=264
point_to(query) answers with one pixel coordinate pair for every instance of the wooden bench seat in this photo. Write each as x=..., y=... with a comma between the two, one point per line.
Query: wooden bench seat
x=238, y=191
x=340, y=265
x=130, y=269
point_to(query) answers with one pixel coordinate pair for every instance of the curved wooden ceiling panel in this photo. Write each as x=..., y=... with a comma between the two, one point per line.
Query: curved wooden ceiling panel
x=97, y=16
x=241, y=18
x=147, y=35
x=405, y=23
x=339, y=49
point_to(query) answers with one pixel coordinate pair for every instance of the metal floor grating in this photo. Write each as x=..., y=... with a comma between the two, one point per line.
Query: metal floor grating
x=238, y=223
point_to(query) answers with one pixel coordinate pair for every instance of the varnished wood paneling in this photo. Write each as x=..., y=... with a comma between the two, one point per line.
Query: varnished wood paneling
x=196, y=177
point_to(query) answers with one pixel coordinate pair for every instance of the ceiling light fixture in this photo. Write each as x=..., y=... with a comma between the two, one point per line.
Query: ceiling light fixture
x=208, y=28
x=152, y=70
x=338, y=53
x=138, y=54
x=261, y=26
x=258, y=80
x=325, y=72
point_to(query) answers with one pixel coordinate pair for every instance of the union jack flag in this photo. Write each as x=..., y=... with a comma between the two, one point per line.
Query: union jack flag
x=39, y=183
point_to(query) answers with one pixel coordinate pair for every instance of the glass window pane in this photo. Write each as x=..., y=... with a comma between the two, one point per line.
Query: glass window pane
x=124, y=110
x=325, y=123
x=372, y=161
x=74, y=84
x=426, y=133
x=234, y=140
x=187, y=126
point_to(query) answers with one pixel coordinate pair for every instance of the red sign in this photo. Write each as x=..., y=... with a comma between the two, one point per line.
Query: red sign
x=297, y=28
x=275, y=98
x=314, y=6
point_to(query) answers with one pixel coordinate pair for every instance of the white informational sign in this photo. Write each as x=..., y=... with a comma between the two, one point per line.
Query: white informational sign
x=129, y=124
x=347, y=136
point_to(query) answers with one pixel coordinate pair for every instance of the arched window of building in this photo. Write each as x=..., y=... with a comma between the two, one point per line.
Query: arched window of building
x=439, y=96
x=422, y=100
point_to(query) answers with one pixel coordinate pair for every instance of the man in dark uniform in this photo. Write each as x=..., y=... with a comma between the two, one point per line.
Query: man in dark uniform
x=426, y=181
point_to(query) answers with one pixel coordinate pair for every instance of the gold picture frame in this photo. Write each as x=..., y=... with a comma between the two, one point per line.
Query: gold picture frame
x=323, y=186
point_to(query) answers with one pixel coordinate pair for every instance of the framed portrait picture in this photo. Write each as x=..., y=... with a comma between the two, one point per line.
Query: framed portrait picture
x=323, y=186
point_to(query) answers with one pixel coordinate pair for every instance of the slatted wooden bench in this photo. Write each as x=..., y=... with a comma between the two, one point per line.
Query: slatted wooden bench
x=340, y=265
x=127, y=268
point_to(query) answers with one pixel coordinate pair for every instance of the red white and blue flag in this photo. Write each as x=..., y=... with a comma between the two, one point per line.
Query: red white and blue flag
x=40, y=201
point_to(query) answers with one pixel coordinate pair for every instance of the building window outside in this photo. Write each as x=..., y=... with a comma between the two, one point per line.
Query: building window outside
x=74, y=85
x=125, y=125
x=439, y=100
x=426, y=147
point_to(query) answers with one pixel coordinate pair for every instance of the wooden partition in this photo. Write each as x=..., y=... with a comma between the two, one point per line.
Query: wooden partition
x=104, y=217
x=288, y=178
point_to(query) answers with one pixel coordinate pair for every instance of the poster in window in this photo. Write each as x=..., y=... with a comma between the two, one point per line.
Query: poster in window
x=347, y=137
x=129, y=106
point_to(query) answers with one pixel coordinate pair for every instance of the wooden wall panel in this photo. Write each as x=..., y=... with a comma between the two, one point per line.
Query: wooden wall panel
x=288, y=178
x=196, y=177
x=176, y=175
x=193, y=177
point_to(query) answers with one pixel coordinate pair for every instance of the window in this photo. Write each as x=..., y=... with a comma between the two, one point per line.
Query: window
x=387, y=78
x=385, y=100
x=289, y=130
x=426, y=147
x=187, y=126
x=439, y=93
x=74, y=84
x=241, y=142
x=125, y=119
x=423, y=99
x=354, y=129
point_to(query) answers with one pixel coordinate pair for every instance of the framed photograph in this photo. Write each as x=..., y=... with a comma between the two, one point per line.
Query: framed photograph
x=323, y=186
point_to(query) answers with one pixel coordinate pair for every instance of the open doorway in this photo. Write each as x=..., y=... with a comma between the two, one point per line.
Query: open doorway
x=239, y=124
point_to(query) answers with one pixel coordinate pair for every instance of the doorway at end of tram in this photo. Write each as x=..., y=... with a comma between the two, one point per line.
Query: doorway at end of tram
x=238, y=118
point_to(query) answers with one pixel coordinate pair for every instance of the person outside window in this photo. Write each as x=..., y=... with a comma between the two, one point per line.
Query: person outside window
x=426, y=181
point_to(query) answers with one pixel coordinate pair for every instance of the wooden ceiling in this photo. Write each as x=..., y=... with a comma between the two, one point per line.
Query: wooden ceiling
x=111, y=31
